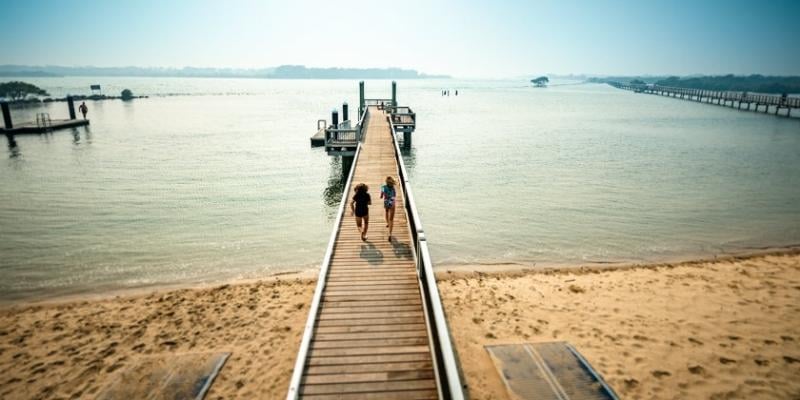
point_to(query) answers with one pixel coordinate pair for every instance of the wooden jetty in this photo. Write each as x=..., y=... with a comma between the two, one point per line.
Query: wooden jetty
x=376, y=327
x=724, y=98
x=50, y=125
x=43, y=122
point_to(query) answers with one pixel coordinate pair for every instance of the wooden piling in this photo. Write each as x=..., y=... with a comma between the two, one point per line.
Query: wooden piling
x=6, y=115
x=71, y=106
x=361, y=101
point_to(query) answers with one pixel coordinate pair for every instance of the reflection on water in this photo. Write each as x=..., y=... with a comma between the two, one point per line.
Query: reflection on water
x=13, y=148
x=333, y=191
x=409, y=157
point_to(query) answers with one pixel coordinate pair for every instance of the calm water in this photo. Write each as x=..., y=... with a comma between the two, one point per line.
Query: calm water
x=211, y=180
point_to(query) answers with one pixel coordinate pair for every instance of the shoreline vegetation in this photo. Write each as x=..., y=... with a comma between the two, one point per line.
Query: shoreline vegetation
x=750, y=83
x=16, y=92
x=699, y=329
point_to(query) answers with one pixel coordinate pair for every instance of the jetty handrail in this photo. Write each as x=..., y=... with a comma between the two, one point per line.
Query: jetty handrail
x=446, y=365
x=308, y=332
x=342, y=135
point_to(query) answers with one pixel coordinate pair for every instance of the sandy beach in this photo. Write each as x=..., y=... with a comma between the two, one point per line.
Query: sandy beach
x=698, y=330
x=722, y=329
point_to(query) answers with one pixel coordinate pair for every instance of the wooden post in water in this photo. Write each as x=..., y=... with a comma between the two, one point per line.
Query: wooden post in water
x=71, y=105
x=345, y=114
x=361, y=101
x=394, y=94
x=347, y=163
x=6, y=115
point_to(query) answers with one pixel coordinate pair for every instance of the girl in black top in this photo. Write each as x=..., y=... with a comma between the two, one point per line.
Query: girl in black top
x=360, y=207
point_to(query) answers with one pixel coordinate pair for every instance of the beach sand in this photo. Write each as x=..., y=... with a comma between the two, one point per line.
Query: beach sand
x=73, y=350
x=701, y=330
x=716, y=330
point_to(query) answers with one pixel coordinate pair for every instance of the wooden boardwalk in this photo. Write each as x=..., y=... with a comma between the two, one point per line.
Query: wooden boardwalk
x=370, y=339
x=770, y=102
x=32, y=127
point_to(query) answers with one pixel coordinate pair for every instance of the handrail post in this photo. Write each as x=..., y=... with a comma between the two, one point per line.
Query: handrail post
x=361, y=100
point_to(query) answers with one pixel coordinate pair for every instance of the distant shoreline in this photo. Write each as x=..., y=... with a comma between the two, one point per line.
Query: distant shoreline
x=281, y=72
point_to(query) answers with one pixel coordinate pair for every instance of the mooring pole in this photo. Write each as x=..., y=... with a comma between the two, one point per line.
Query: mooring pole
x=6, y=115
x=71, y=105
x=394, y=94
x=361, y=102
x=345, y=114
x=335, y=119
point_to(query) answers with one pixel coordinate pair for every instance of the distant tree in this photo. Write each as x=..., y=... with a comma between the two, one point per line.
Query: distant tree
x=637, y=82
x=19, y=90
x=540, y=81
x=126, y=94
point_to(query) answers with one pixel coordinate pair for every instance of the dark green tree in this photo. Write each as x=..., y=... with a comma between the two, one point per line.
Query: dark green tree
x=540, y=81
x=16, y=90
x=126, y=94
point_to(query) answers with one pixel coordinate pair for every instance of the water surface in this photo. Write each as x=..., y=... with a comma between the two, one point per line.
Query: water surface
x=213, y=179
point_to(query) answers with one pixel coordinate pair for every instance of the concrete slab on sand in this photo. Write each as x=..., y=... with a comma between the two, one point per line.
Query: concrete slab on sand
x=548, y=371
x=167, y=376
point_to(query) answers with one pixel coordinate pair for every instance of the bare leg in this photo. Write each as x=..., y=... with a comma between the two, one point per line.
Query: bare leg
x=358, y=224
x=366, y=226
x=390, y=219
x=386, y=216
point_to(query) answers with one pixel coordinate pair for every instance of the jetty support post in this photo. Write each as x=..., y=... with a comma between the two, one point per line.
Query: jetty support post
x=361, y=103
x=347, y=163
x=407, y=138
x=394, y=94
x=345, y=114
x=71, y=106
x=6, y=115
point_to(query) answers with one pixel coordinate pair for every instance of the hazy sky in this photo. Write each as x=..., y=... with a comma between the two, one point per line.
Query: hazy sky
x=464, y=39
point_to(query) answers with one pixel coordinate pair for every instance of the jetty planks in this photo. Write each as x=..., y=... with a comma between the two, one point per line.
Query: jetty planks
x=370, y=337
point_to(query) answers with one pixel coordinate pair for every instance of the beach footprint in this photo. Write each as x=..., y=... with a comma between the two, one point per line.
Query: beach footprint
x=660, y=373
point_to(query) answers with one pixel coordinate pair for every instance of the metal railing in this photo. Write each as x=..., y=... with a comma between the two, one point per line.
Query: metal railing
x=44, y=122
x=397, y=114
x=446, y=366
x=343, y=137
x=308, y=332
x=378, y=102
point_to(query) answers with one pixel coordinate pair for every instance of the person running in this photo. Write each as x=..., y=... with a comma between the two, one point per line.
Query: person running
x=389, y=195
x=83, y=109
x=360, y=207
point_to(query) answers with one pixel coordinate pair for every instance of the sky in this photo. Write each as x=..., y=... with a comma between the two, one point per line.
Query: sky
x=467, y=39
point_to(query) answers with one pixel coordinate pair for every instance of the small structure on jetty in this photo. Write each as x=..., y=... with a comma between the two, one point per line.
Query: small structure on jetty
x=341, y=137
x=724, y=98
x=43, y=122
